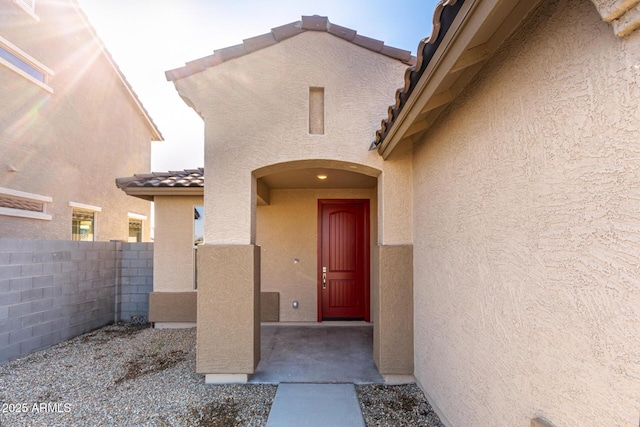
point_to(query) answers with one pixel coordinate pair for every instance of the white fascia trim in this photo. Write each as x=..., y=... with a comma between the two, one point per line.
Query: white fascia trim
x=85, y=207
x=136, y=216
x=24, y=195
x=25, y=214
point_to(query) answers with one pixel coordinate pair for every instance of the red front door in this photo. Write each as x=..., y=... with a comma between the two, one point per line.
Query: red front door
x=343, y=259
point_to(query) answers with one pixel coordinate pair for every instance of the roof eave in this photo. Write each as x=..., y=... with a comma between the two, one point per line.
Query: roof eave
x=478, y=30
x=155, y=132
x=149, y=193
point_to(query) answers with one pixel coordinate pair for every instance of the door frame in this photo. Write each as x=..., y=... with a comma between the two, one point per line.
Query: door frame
x=367, y=259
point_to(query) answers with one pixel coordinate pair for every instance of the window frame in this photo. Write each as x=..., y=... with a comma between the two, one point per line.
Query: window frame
x=136, y=217
x=82, y=207
x=28, y=60
x=31, y=197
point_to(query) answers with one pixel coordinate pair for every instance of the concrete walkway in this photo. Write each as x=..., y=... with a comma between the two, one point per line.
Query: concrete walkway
x=315, y=405
x=316, y=367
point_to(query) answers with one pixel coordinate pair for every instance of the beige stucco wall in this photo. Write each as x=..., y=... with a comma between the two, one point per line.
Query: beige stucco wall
x=228, y=330
x=173, y=254
x=287, y=230
x=70, y=144
x=526, y=280
x=392, y=284
x=256, y=114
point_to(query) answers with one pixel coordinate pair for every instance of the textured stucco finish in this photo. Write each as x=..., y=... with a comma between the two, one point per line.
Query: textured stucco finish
x=393, y=309
x=70, y=144
x=173, y=254
x=173, y=306
x=269, y=306
x=255, y=110
x=288, y=230
x=256, y=114
x=228, y=309
x=526, y=202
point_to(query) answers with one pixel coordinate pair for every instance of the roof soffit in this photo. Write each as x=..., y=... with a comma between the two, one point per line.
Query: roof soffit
x=466, y=34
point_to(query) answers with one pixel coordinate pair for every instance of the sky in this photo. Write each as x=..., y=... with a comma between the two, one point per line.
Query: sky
x=148, y=37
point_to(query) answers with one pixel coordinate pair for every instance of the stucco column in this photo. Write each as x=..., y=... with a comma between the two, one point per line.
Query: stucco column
x=228, y=337
x=393, y=314
x=392, y=273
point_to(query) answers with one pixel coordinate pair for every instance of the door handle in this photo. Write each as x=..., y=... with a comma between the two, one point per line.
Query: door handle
x=324, y=277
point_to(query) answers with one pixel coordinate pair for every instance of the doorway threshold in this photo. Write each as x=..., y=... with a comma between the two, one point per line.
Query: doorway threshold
x=326, y=323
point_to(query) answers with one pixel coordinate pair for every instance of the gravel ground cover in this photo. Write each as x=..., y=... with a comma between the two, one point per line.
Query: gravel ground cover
x=128, y=375
x=397, y=406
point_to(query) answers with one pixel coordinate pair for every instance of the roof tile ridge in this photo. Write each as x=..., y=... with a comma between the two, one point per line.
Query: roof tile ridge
x=315, y=23
x=283, y=32
x=414, y=72
x=286, y=31
x=345, y=33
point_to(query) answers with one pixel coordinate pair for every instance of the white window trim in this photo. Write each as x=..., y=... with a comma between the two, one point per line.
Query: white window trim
x=25, y=214
x=24, y=195
x=85, y=207
x=136, y=216
x=19, y=53
x=27, y=196
x=31, y=10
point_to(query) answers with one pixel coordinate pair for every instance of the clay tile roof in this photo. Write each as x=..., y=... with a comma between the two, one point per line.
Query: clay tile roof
x=278, y=34
x=443, y=17
x=185, y=178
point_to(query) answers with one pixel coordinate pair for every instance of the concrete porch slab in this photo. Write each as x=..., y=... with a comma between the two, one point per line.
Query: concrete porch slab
x=318, y=353
x=314, y=405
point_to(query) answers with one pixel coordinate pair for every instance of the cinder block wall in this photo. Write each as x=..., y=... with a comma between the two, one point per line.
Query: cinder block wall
x=136, y=280
x=53, y=290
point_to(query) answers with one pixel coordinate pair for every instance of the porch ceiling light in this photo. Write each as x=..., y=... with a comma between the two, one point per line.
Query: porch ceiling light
x=322, y=176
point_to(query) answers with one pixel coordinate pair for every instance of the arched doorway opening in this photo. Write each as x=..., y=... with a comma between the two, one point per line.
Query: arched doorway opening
x=288, y=220
x=300, y=204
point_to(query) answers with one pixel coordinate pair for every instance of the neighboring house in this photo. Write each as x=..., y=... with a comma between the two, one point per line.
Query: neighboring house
x=177, y=195
x=503, y=200
x=69, y=125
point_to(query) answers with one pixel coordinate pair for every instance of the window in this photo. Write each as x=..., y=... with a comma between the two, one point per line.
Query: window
x=82, y=225
x=198, y=239
x=23, y=64
x=135, y=226
x=135, y=230
x=198, y=225
x=83, y=221
x=25, y=205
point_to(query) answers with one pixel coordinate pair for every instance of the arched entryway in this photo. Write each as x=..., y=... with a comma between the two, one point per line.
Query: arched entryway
x=314, y=222
x=293, y=199
x=283, y=257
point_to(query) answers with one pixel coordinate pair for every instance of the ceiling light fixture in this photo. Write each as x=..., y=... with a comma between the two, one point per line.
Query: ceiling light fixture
x=321, y=176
